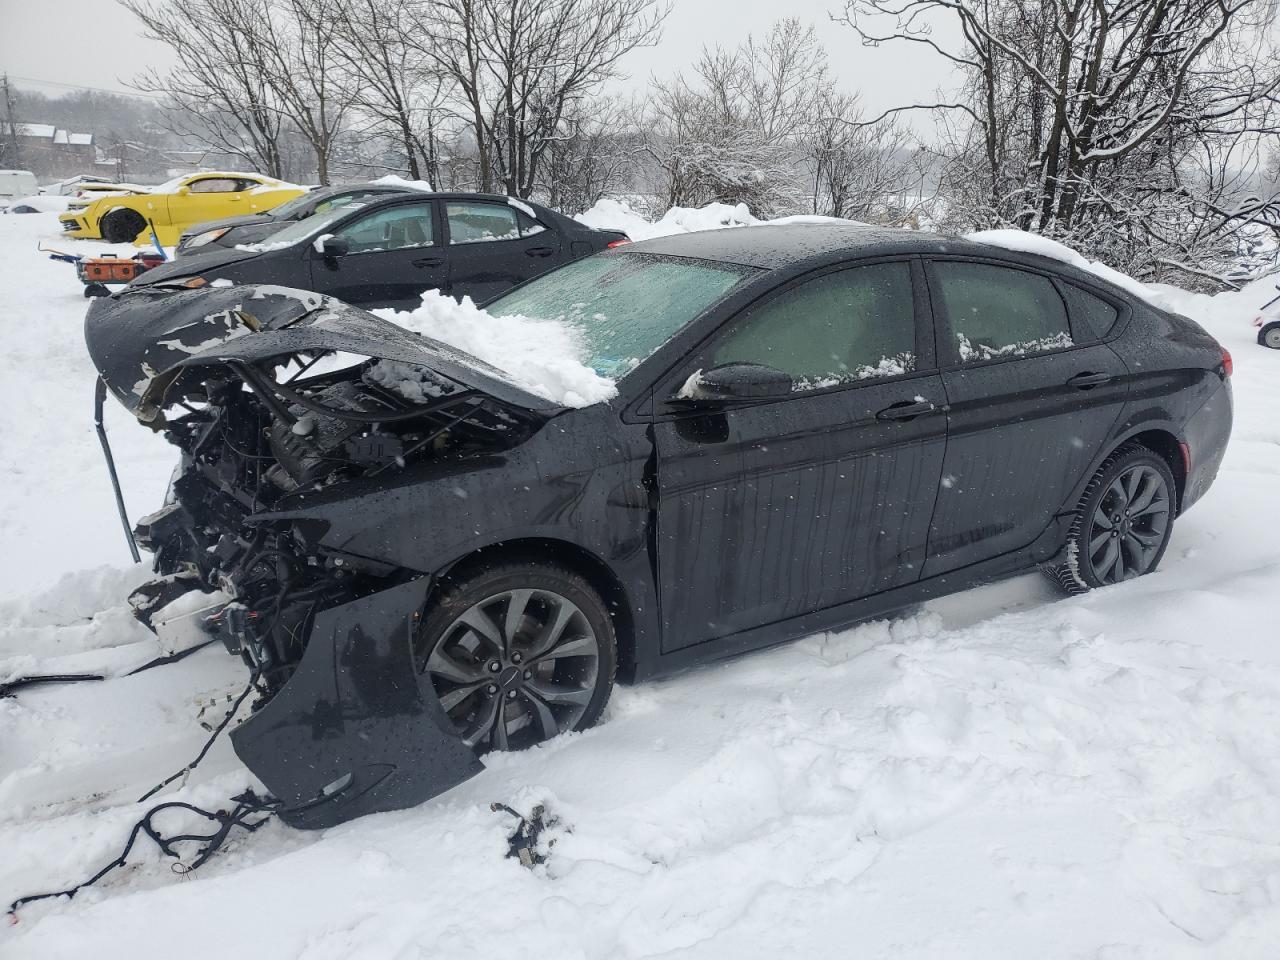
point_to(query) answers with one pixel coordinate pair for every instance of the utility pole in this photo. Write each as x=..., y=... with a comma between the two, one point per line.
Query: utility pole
x=13, y=130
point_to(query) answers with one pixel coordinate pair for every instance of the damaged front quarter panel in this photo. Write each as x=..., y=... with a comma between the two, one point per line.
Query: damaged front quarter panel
x=344, y=723
x=356, y=729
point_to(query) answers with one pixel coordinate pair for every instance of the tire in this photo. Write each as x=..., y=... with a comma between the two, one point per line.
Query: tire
x=506, y=684
x=122, y=226
x=1269, y=336
x=1123, y=523
x=92, y=290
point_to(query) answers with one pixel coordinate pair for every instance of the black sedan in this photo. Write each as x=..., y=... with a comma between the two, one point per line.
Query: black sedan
x=386, y=251
x=256, y=227
x=814, y=425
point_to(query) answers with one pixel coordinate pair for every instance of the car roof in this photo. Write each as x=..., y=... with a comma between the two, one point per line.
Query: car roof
x=775, y=246
x=797, y=247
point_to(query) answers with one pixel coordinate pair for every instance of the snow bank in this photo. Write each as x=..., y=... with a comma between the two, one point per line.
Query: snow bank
x=545, y=357
x=612, y=214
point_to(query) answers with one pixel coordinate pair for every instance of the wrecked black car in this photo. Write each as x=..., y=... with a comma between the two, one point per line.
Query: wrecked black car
x=813, y=425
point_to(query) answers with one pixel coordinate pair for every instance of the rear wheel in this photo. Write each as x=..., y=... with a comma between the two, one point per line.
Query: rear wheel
x=122, y=226
x=1123, y=523
x=518, y=654
x=1269, y=336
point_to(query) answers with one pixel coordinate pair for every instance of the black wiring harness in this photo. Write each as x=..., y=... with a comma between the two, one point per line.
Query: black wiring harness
x=248, y=811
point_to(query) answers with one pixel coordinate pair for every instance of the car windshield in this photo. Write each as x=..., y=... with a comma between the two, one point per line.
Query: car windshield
x=289, y=208
x=624, y=305
x=311, y=226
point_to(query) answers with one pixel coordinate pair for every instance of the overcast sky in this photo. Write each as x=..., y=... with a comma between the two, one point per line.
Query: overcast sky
x=97, y=44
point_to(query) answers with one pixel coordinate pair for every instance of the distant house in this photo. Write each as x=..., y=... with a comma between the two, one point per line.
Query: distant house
x=51, y=151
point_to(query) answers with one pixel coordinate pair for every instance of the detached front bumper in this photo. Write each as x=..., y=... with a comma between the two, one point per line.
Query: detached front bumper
x=356, y=729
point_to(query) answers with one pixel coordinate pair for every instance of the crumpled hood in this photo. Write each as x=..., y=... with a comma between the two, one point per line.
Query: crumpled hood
x=142, y=338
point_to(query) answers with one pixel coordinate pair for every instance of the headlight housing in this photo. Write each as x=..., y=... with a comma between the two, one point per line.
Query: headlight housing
x=200, y=239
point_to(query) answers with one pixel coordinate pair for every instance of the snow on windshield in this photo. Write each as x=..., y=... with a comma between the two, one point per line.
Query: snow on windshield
x=545, y=357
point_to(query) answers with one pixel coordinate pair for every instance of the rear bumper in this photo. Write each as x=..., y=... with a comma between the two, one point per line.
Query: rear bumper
x=356, y=729
x=1207, y=434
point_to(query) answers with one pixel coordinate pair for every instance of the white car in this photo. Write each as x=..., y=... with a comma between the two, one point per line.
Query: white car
x=16, y=183
x=1268, y=323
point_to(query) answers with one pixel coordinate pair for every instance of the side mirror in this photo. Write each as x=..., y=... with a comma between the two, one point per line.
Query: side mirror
x=334, y=247
x=737, y=381
x=183, y=190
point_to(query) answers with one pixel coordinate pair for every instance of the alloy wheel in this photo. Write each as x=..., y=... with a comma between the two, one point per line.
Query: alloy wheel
x=517, y=668
x=1271, y=337
x=1129, y=525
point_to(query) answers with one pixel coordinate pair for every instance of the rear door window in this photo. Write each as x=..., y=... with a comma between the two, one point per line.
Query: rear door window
x=998, y=312
x=472, y=222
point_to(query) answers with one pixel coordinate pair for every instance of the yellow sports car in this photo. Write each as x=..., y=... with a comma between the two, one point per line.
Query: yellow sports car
x=173, y=206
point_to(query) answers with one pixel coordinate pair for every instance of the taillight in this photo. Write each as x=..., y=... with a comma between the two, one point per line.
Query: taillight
x=1186, y=458
x=1226, y=361
x=616, y=243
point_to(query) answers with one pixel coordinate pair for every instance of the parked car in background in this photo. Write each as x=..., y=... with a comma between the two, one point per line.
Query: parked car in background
x=387, y=251
x=1268, y=323
x=175, y=205
x=72, y=186
x=813, y=425
x=15, y=184
x=256, y=227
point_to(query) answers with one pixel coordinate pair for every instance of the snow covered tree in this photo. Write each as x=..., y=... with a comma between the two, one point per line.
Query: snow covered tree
x=1129, y=128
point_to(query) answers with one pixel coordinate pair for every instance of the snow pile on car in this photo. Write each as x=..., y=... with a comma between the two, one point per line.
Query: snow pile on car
x=544, y=357
x=611, y=214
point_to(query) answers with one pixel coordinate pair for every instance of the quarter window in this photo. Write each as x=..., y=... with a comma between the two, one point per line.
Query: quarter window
x=843, y=327
x=999, y=312
x=401, y=227
x=1090, y=313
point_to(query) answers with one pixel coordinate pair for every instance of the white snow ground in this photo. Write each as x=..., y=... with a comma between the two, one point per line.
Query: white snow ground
x=1001, y=774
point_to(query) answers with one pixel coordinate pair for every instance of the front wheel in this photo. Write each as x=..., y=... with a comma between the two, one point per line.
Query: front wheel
x=122, y=226
x=1269, y=336
x=517, y=654
x=1123, y=523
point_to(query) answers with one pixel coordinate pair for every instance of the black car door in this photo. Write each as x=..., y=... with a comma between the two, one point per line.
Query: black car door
x=393, y=254
x=493, y=246
x=1033, y=396
x=770, y=509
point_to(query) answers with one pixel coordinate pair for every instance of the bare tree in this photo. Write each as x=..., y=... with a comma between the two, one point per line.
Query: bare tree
x=521, y=66
x=218, y=92
x=860, y=171
x=1118, y=126
x=395, y=83
x=593, y=156
x=734, y=130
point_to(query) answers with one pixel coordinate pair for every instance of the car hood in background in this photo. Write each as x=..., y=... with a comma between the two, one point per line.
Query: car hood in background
x=193, y=264
x=243, y=220
x=142, y=339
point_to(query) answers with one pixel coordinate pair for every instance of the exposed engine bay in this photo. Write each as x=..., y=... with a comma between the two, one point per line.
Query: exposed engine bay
x=274, y=397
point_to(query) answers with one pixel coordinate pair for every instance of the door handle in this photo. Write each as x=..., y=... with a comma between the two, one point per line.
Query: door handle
x=428, y=262
x=1086, y=381
x=539, y=251
x=908, y=410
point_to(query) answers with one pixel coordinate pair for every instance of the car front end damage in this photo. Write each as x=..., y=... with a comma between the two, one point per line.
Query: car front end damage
x=344, y=722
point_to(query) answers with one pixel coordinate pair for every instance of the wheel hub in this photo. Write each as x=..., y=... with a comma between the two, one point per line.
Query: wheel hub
x=516, y=668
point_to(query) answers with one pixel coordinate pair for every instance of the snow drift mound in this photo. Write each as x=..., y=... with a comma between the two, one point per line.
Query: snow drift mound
x=545, y=357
